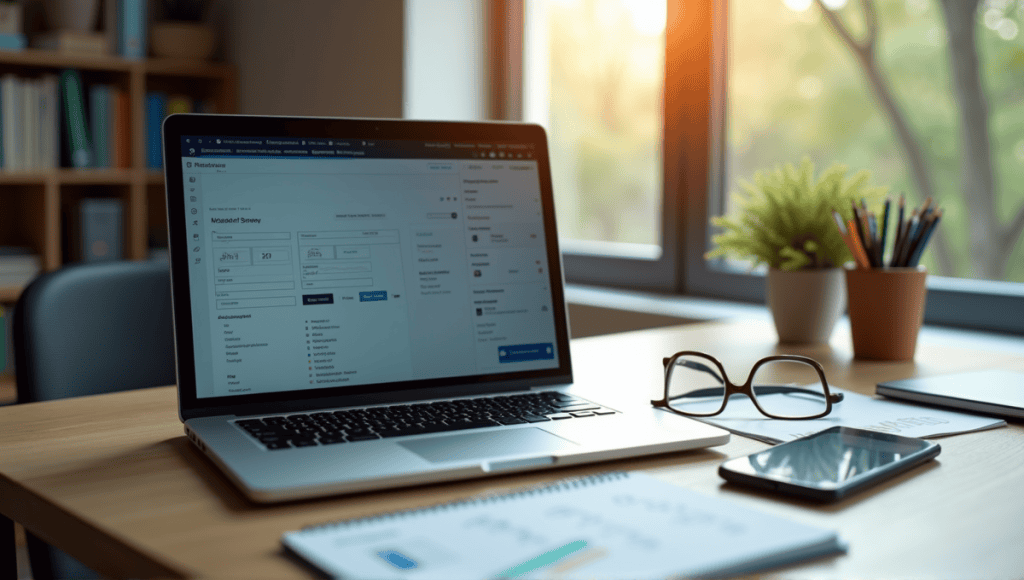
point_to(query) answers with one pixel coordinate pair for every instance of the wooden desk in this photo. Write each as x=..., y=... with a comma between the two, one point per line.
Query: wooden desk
x=112, y=480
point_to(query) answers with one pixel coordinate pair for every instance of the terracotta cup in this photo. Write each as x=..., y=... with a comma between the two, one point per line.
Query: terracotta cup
x=886, y=310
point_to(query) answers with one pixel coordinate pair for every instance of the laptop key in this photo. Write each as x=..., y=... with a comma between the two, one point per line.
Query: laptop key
x=557, y=416
x=331, y=440
x=534, y=418
x=604, y=412
x=277, y=445
x=366, y=437
x=509, y=420
x=580, y=407
x=582, y=414
x=304, y=442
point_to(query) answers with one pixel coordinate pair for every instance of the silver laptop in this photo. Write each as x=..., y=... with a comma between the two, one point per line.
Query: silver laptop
x=362, y=304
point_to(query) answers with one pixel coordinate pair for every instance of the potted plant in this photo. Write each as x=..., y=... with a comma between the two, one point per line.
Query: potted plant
x=784, y=220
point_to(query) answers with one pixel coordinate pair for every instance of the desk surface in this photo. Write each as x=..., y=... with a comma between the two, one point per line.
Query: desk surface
x=112, y=479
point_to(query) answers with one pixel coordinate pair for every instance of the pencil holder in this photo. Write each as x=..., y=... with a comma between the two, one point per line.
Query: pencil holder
x=886, y=311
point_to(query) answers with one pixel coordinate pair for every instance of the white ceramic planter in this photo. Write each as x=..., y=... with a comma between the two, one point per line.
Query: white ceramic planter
x=806, y=303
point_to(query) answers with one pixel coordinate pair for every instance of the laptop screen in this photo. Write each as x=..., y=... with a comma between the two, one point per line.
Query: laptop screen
x=336, y=263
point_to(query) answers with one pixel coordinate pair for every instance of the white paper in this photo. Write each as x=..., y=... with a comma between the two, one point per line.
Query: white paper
x=855, y=410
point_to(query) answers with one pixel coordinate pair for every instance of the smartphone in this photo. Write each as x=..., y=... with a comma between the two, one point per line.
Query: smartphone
x=831, y=464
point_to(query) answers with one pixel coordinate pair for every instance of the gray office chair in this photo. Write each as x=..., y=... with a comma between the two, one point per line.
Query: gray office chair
x=85, y=330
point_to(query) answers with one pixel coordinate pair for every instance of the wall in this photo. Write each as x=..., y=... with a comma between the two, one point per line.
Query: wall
x=315, y=57
x=445, y=59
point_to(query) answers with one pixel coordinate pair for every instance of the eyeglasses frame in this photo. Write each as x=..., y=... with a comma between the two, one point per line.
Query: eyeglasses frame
x=747, y=387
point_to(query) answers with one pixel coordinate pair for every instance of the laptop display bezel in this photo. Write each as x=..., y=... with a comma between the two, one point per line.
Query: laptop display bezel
x=190, y=405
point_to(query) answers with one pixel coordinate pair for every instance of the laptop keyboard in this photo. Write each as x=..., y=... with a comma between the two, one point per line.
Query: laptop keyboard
x=333, y=427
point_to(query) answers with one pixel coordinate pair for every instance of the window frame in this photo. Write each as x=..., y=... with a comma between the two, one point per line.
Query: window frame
x=694, y=161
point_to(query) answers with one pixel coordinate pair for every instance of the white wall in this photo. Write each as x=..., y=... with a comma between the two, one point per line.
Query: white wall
x=316, y=57
x=445, y=59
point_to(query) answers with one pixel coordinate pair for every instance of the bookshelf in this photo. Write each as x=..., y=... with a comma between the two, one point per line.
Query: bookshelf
x=33, y=203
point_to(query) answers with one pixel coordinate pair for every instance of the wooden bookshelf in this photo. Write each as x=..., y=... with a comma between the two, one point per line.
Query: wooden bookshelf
x=33, y=203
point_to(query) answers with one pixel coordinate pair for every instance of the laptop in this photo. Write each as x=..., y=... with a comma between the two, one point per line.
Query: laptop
x=362, y=304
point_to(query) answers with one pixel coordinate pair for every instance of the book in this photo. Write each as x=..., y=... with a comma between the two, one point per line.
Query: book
x=991, y=392
x=10, y=17
x=156, y=108
x=99, y=120
x=12, y=41
x=75, y=124
x=120, y=136
x=71, y=42
x=99, y=230
x=178, y=104
x=617, y=525
x=18, y=266
x=7, y=113
x=49, y=116
x=130, y=24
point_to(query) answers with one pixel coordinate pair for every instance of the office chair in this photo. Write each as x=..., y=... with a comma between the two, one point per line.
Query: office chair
x=90, y=329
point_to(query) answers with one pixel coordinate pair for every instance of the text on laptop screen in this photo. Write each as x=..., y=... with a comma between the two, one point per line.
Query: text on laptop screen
x=330, y=263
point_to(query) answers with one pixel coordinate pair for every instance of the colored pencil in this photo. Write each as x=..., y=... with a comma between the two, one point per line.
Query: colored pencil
x=922, y=241
x=844, y=232
x=858, y=247
x=899, y=232
x=882, y=236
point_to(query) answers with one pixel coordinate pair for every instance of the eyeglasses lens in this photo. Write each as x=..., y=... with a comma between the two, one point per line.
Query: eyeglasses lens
x=773, y=384
x=695, y=385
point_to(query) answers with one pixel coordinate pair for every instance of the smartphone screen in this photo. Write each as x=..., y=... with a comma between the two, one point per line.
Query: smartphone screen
x=829, y=464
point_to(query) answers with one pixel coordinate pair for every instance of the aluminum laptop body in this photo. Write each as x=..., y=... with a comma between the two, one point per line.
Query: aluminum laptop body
x=353, y=267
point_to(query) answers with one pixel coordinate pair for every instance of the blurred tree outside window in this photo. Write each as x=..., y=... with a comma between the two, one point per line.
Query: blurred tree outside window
x=594, y=77
x=926, y=94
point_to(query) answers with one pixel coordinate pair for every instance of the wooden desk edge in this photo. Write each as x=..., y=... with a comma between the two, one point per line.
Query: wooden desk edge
x=107, y=554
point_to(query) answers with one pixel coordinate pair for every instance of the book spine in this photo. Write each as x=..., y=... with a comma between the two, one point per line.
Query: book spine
x=19, y=125
x=13, y=42
x=3, y=122
x=99, y=108
x=131, y=26
x=122, y=136
x=74, y=119
x=32, y=97
x=178, y=104
x=156, y=107
x=7, y=87
x=50, y=129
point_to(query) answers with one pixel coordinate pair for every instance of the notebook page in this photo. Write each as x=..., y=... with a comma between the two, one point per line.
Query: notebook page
x=613, y=526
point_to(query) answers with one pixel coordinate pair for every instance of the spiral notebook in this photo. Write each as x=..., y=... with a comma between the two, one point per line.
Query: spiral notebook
x=618, y=525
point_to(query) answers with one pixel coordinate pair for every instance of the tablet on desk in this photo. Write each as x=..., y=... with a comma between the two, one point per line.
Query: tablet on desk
x=992, y=392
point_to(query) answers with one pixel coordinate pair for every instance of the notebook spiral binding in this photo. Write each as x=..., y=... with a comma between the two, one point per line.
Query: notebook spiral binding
x=556, y=487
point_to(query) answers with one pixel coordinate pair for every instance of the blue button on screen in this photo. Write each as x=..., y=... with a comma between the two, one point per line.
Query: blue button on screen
x=373, y=296
x=526, y=352
x=397, y=559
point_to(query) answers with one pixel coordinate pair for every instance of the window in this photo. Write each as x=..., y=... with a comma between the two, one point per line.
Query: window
x=926, y=95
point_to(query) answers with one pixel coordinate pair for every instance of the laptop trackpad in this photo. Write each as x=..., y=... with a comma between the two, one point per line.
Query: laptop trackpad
x=467, y=446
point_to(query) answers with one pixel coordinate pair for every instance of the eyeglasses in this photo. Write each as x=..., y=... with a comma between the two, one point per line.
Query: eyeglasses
x=781, y=387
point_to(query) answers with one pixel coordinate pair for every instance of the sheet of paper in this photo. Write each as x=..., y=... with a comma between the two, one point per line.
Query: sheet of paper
x=615, y=526
x=855, y=410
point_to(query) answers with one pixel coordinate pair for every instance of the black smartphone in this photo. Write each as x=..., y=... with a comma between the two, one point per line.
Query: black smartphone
x=830, y=464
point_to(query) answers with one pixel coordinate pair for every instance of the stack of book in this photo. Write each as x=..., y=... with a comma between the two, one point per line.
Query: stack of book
x=40, y=116
x=28, y=123
x=17, y=266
